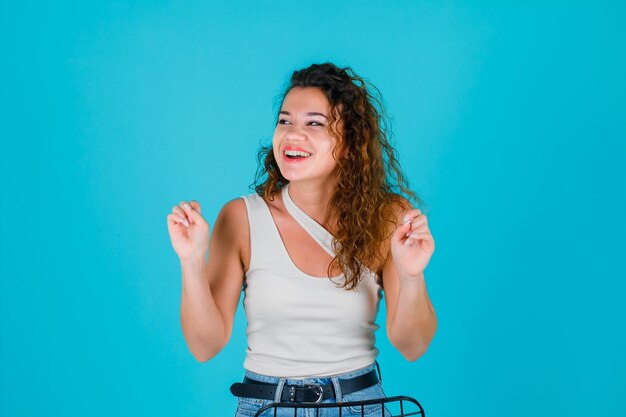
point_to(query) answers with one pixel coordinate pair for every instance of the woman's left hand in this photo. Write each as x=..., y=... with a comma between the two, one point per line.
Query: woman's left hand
x=412, y=245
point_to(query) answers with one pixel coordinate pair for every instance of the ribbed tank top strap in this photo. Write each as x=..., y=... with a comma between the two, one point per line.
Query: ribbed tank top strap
x=313, y=228
x=264, y=248
x=322, y=236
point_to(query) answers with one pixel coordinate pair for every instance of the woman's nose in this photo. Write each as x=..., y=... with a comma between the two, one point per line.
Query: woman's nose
x=295, y=133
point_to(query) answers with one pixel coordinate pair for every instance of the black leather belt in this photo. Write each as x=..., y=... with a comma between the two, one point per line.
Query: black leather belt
x=309, y=393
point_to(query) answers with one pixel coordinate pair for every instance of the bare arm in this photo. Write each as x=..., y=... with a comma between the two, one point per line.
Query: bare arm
x=211, y=289
x=411, y=319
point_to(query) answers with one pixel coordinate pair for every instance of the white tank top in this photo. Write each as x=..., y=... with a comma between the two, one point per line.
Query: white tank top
x=299, y=325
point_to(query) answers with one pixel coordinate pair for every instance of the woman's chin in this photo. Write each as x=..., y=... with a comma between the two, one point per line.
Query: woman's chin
x=290, y=175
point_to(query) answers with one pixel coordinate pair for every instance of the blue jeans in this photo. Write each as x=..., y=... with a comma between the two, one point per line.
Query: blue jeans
x=247, y=407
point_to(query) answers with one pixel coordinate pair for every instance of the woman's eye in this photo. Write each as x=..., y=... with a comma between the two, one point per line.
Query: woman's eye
x=313, y=123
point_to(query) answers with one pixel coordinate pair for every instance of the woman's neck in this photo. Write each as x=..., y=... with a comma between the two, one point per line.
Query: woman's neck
x=313, y=199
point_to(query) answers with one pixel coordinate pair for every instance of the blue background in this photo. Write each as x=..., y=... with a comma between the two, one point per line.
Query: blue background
x=509, y=121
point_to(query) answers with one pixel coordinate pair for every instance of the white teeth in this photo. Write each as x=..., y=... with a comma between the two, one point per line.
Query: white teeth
x=296, y=153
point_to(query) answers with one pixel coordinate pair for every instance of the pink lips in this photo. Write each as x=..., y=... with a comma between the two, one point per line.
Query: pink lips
x=294, y=160
x=295, y=148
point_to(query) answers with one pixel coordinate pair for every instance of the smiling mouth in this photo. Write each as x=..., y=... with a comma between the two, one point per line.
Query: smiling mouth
x=296, y=155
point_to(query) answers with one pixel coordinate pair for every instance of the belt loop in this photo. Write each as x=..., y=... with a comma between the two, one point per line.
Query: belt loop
x=279, y=390
x=337, y=386
x=380, y=377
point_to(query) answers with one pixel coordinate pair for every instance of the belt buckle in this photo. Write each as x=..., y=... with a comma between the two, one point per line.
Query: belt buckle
x=320, y=393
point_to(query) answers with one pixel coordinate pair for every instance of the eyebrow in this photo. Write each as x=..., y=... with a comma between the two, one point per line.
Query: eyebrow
x=312, y=113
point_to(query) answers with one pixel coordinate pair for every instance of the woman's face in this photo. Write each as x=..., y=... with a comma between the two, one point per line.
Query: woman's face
x=302, y=143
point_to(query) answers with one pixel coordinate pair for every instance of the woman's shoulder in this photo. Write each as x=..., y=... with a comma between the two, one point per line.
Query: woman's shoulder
x=232, y=226
x=237, y=210
x=234, y=207
x=232, y=217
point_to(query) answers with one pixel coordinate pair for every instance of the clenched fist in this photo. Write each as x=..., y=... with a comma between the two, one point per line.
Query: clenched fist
x=189, y=231
x=412, y=244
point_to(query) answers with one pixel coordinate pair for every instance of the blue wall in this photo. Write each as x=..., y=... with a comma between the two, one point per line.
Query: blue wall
x=509, y=120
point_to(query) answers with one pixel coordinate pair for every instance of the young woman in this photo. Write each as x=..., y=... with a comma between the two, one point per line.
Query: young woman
x=328, y=228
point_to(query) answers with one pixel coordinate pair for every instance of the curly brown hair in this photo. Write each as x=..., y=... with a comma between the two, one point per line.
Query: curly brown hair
x=371, y=187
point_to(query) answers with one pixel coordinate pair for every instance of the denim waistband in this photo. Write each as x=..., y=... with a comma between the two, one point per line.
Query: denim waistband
x=312, y=380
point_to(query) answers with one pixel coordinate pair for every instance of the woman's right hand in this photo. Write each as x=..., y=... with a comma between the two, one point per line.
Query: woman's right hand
x=188, y=230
